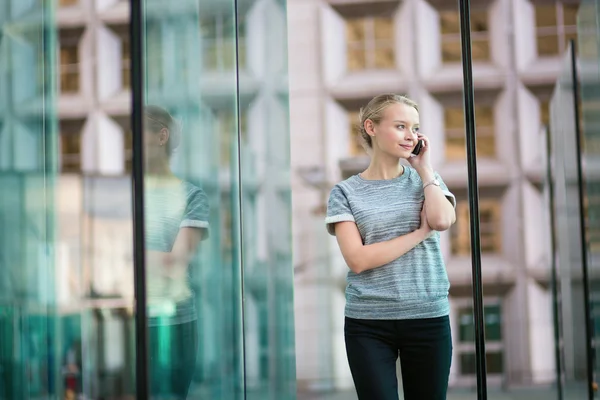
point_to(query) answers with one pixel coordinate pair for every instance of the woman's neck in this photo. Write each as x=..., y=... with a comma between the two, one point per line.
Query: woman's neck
x=158, y=167
x=383, y=167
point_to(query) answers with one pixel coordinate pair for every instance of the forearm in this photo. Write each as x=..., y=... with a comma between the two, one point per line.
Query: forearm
x=169, y=259
x=375, y=255
x=440, y=211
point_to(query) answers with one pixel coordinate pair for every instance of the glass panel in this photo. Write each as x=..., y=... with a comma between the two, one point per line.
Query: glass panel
x=490, y=228
x=70, y=145
x=449, y=22
x=480, y=49
x=548, y=45
x=570, y=14
x=266, y=214
x=569, y=243
x=545, y=16
x=384, y=57
x=355, y=30
x=354, y=136
x=69, y=61
x=192, y=201
x=588, y=30
x=34, y=356
x=451, y=50
x=357, y=59
x=370, y=43
x=479, y=21
x=455, y=134
x=384, y=29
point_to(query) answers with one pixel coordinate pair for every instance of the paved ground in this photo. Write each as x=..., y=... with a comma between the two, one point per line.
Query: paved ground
x=524, y=394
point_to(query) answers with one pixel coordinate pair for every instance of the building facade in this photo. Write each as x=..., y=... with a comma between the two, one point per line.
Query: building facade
x=220, y=68
x=350, y=51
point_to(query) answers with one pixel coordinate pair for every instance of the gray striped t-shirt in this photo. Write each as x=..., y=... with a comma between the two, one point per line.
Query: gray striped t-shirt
x=170, y=205
x=416, y=284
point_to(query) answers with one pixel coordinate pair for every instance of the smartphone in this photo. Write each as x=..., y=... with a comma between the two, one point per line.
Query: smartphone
x=418, y=147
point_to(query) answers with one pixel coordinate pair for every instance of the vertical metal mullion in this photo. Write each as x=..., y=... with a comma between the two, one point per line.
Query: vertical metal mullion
x=584, y=264
x=468, y=97
x=240, y=193
x=139, y=264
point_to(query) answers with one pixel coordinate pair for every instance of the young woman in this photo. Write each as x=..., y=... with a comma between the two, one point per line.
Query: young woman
x=386, y=220
x=176, y=221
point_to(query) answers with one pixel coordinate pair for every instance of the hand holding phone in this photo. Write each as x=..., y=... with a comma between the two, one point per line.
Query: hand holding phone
x=418, y=147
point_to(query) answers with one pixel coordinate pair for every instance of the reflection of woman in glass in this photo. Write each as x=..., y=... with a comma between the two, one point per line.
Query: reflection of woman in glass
x=176, y=221
x=385, y=220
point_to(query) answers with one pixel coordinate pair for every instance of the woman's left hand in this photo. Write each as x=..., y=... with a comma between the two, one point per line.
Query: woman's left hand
x=422, y=161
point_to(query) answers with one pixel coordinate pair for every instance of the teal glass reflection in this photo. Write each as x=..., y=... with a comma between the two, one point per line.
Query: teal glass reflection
x=264, y=149
x=588, y=33
x=31, y=349
x=192, y=201
x=570, y=282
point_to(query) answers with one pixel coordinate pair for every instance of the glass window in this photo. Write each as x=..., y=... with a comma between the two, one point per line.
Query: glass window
x=493, y=337
x=555, y=25
x=218, y=38
x=228, y=134
x=490, y=228
x=128, y=147
x=69, y=62
x=125, y=62
x=70, y=146
x=450, y=30
x=455, y=133
x=355, y=140
x=370, y=43
x=545, y=112
x=494, y=363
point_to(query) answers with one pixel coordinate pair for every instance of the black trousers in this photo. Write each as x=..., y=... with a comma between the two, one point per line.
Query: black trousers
x=425, y=350
x=172, y=350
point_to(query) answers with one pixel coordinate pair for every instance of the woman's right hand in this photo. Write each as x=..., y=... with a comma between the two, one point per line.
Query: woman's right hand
x=424, y=225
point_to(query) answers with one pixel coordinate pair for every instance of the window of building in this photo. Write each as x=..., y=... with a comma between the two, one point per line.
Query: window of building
x=70, y=146
x=493, y=337
x=228, y=133
x=370, y=43
x=456, y=136
x=545, y=113
x=450, y=30
x=219, y=42
x=126, y=62
x=128, y=147
x=355, y=140
x=489, y=225
x=69, y=62
x=555, y=25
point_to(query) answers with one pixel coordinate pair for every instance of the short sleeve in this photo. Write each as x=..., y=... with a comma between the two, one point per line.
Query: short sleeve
x=338, y=209
x=449, y=195
x=197, y=211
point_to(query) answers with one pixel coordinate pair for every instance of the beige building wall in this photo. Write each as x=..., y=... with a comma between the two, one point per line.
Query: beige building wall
x=344, y=52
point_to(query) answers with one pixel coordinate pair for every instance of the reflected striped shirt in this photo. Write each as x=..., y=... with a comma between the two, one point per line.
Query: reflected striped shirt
x=171, y=205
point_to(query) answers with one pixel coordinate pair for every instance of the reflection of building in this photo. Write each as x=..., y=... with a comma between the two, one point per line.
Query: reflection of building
x=217, y=72
x=348, y=51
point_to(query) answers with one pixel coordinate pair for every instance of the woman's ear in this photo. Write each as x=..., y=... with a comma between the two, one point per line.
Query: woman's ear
x=369, y=127
x=164, y=136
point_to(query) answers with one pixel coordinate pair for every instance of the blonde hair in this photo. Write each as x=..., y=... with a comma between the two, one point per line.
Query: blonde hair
x=374, y=111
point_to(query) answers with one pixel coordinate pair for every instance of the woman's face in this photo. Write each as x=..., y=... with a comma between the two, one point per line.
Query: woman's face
x=396, y=134
x=155, y=143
